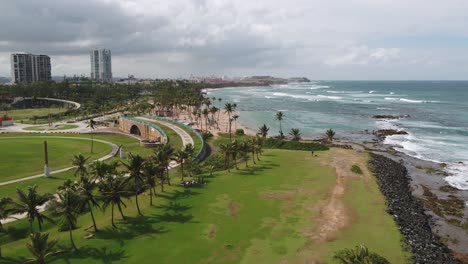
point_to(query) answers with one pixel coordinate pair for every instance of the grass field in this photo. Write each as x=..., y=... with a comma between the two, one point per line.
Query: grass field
x=21, y=157
x=53, y=128
x=174, y=139
x=29, y=113
x=267, y=213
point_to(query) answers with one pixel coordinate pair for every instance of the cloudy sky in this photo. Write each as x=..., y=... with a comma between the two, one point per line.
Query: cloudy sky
x=320, y=39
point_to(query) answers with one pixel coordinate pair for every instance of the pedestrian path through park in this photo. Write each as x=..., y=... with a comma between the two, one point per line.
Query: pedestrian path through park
x=115, y=148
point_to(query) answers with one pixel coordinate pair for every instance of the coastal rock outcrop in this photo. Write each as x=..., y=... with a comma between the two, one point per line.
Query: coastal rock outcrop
x=390, y=116
x=409, y=212
x=382, y=133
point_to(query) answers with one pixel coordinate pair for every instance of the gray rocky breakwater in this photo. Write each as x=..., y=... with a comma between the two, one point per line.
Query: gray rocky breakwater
x=409, y=212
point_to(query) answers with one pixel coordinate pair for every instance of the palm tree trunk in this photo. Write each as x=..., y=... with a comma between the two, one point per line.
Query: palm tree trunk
x=30, y=226
x=281, y=129
x=112, y=219
x=151, y=196
x=120, y=210
x=92, y=141
x=92, y=217
x=71, y=237
x=162, y=185
x=136, y=202
x=40, y=225
x=182, y=169
x=167, y=175
x=253, y=157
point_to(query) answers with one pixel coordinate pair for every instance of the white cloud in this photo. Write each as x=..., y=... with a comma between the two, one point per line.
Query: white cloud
x=295, y=37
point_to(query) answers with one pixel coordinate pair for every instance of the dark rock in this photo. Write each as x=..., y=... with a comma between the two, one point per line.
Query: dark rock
x=390, y=116
x=394, y=183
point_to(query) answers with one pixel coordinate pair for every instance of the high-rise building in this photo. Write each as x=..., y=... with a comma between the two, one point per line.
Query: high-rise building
x=29, y=68
x=101, y=65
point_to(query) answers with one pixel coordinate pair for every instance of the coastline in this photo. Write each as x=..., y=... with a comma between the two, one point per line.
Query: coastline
x=424, y=177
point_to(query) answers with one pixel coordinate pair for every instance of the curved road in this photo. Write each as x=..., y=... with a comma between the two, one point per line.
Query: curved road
x=115, y=148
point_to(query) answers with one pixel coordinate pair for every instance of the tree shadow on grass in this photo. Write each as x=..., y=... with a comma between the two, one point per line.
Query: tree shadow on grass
x=130, y=228
x=102, y=255
x=173, y=218
x=174, y=206
x=256, y=169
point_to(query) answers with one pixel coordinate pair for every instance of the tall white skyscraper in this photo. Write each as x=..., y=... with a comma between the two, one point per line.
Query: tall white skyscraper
x=101, y=65
x=29, y=68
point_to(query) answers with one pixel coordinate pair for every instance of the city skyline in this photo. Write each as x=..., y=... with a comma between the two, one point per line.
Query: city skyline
x=359, y=39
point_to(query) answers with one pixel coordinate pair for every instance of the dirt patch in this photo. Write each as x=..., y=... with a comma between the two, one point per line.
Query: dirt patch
x=280, y=195
x=334, y=215
x=234, y=209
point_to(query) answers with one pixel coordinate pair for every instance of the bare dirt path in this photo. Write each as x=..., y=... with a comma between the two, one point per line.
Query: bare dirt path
x=333, y=214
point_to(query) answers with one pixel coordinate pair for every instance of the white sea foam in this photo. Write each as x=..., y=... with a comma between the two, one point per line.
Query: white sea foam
x=392, y=93
x=371, y=92
x=315, y=87
x=409, y=100
x=331, y=97
x=344, y=92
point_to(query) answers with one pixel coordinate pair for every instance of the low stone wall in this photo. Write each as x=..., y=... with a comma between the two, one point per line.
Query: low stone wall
x=409, y=212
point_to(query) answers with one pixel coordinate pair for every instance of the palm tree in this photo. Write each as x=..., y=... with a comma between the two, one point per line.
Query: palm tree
x=167, y=154
x=67, y=206
x=86, y=189
x=205, y=115
x=4, y=213
x=235, y=117
x=159, y=159
x=295, y=133
x=245, y=150
x=213, y=111
x=253, y=146
x=226, y=149
x=41, y=249
x=235, y=149
x=229, y=109
x=330, y=134
x=359, y=255
x=80, y=162
x=113, y=190
x=150, y=172
x=5, y=202
x=92, y=126
x=279, y=117
x=28, y=203
x=180, y=156
x=263, y=130
x=189, y=149
x=135, y=168
x=101, y=170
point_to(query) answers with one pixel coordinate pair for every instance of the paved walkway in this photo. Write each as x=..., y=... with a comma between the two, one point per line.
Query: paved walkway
x=186, y=138
x=115, y=148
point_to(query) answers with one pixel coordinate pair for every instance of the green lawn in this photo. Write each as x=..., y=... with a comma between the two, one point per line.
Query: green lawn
x=21, y=157
x=257, y=214
x=29, y=113
x=53, y=128
x=174, y=139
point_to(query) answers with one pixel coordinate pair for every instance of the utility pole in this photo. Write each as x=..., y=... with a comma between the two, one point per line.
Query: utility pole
x=46, y=158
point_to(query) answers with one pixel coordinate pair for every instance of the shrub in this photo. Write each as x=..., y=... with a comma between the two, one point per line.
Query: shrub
x=240, y=132
x=275, y=143
x=206, y=135
x=356, y=169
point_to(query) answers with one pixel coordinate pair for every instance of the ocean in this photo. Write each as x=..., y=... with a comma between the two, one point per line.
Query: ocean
x=437, y=125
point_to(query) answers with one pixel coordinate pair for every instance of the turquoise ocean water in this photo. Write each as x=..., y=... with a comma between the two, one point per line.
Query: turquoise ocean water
x=437, y=126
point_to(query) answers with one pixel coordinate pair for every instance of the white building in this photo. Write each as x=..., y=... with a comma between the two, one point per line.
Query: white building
x=101, y=65
x=29, y=68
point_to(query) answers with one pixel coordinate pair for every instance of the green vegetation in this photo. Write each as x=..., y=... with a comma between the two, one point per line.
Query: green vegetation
x=359, y=255
x=20, y=114
x=52, y=128
x=275, y=143
x=174, y=139
x=23, y=157
x=356, y=169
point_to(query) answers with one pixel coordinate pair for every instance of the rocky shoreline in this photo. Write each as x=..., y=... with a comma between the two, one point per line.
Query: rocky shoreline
x=409, y=212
